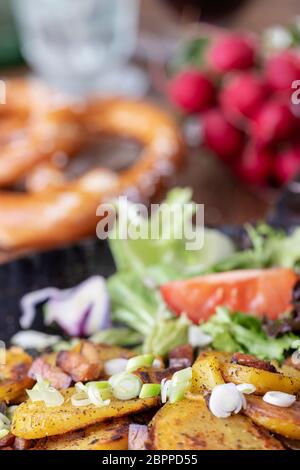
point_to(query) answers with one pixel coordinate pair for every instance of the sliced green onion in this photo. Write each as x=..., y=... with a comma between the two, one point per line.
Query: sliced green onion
x=150, y=390
x=79, y=399
x=176, y=388
x=115, y=366
x=177, y=392
x=144, y=360
x=125, y=386
x=99, y=392
x=3, y=433
x=93, y=393
x=4, y=420
x=183, y=375
x=43, y=392
x=10, y=411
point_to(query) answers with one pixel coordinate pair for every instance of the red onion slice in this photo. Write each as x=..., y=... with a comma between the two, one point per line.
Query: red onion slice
x=31, y=300
x=79, y=311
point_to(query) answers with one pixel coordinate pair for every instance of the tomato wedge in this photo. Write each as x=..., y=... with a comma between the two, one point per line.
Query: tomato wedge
x=256, y=291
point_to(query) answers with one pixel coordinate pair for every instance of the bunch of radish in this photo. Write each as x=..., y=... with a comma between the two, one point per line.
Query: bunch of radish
x=245, y=109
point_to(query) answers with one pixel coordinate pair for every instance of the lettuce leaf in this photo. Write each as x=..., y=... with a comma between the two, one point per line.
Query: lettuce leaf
x=165, y=256
x=270, y=247
x=239, y=332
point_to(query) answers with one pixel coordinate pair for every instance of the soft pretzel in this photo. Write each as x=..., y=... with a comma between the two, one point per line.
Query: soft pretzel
x=66, y=211
x=35, y=124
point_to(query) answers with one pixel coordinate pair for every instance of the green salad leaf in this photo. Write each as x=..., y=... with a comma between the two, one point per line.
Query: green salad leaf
x=117, y=337
x=165, y=257
x=166, y=335
x=238, y=332
x=269, y=248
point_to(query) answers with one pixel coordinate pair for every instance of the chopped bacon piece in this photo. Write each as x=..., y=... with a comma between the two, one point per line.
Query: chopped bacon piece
x=137, y=436
x=53, y=374
x=292, y=363
x=22, y=444
x=7, y=441
x=150, y=375
x=252, y=361
x=78, y=367
x=181, y=356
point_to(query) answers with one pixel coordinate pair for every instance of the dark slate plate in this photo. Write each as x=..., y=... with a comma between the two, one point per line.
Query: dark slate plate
x=61, y=268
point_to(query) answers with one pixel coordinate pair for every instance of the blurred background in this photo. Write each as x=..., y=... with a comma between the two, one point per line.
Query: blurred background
x=127, y=46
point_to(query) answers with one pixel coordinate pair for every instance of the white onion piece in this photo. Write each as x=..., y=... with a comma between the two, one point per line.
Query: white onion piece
x=197, y=338
x=247, y=389
x=115, y=366
x=30, y=301
x=226, y=399
x=281, y=399
x=165, y=387
x=34, y=339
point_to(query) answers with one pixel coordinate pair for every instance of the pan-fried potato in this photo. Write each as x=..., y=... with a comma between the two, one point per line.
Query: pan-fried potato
x=263, y=380
x=103, y=436
x=107, y=352
x=214, y=368
x=35, y=420
x=190, y=425
x=207, y=372
x=13, y=375
x=284, y=421
x=290, y=371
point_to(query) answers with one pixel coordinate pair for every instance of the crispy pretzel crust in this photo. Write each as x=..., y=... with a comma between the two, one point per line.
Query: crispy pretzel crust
x=62, y=211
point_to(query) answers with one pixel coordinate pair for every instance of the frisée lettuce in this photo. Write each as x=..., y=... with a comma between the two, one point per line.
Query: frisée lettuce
x=238, y=332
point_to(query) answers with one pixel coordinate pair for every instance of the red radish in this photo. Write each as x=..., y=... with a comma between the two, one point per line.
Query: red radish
x=255, y=291
x=274, y=123
x=221, y=136
x=282, y=70
x=287, y=165
x=254, y=166
x=243, y=95
x=232, y=52
x=191, y=91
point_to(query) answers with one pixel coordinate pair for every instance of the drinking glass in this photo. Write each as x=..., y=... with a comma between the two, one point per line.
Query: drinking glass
x=81, y=45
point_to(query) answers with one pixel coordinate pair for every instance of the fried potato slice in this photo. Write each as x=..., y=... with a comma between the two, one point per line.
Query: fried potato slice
x=13, y=375
x=103, y=436
x=284, y=421
x=207, y=371
x=189, y=425
x=263, y=380
x=35, y=420
x=107, y=352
